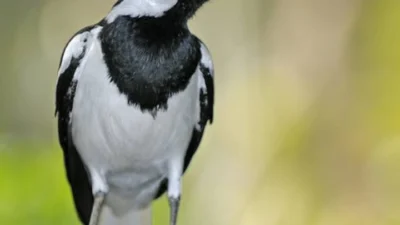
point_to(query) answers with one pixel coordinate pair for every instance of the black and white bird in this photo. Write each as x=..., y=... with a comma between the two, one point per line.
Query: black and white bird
x=134, y=94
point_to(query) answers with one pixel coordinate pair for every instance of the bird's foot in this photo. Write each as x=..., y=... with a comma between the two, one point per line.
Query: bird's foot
x=174, y=203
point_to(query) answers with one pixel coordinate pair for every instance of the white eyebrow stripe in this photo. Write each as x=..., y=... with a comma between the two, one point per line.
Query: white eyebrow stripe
x=137, y=8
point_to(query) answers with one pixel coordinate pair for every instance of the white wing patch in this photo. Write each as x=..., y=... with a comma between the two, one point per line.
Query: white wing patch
x=91, y=38
x=202, y=87
x=206, y=59
x=73, y=50
x=137, y=8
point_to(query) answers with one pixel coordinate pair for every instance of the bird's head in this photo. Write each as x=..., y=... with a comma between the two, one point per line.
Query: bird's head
x=188, y=7
x=176, y=9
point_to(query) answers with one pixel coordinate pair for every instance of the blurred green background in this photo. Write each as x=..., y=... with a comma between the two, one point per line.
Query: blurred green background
x=307, y=127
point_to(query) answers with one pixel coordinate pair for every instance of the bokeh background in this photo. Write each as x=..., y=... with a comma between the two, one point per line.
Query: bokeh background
x=307, y=127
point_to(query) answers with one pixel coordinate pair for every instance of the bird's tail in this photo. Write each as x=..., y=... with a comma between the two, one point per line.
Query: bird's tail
x=133, y=217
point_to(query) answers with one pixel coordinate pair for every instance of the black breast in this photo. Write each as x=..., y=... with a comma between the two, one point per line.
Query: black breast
x=149, y=59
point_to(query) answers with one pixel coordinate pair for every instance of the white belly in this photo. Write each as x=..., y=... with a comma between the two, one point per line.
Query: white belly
x=130, y=148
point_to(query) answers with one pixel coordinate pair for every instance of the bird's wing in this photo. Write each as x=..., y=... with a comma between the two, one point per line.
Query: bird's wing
x=73, y=54
x=206, y=85
x=206, y=101
x=206, y=112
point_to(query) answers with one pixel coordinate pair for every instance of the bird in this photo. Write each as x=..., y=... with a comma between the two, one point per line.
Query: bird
x=134, y=95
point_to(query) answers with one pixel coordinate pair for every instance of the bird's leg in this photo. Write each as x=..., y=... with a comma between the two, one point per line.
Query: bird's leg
x=97, y=207
x=174, y=190
x=100, y=189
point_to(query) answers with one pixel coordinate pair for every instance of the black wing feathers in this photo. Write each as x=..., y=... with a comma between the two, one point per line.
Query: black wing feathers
x=209, y=96
x=79, y=181
x=75, y=169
